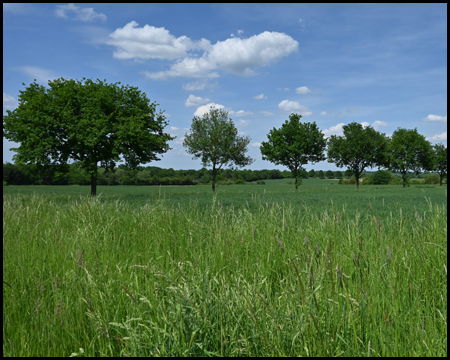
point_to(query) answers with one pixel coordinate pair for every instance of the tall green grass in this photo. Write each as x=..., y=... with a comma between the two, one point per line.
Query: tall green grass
x=89, y=277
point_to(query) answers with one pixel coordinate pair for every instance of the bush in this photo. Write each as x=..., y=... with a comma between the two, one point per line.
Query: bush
x=415, y=182
x=261, y=182
x=396, y=181
x=351, y=181
x=382, y=177
x=239, y=182
x=432, y=179
x=368, y=180
x=5, y=183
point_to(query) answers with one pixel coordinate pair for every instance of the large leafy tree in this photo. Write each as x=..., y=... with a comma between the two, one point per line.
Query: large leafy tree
x=214, y=138
x=359, y=148
x=440, y=165
x=90, y=122
x=409, y=150
x=294, y=145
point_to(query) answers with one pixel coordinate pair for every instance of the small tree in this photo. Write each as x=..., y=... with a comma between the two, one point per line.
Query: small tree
x=312, y=173
x=88, y=122
x=294, y=145
x=441, y=161
x=214, y=139
x=338, y=174
x=382, y=177
x=348, y=173
x=330, y=174
x=321, y=174
x=358, y=148
x=409, y=150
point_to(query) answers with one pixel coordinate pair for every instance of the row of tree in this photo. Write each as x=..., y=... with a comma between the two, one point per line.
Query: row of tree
x=95, y=124
x=31, y=174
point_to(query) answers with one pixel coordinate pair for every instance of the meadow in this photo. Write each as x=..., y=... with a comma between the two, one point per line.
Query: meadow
x=252, y=270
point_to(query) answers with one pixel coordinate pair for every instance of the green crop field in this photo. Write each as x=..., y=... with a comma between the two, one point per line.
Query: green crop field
x=252, y=270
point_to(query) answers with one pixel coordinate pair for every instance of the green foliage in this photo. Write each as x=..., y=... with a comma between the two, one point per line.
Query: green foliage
x=440, y=161
x=330, y=174
x=351, y=181
x=239, y=182
x=338, y=174
x=5, y=183
x=321, y=174
x=214, y=138
x=382, y=177
x=312, y=173
x=360, y=147
x=432, y=179
x=88, y=122
x=294, y=145
x=396, y=181
x=409, y=150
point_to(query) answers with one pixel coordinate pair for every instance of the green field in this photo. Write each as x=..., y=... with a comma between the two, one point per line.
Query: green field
x=252, y=270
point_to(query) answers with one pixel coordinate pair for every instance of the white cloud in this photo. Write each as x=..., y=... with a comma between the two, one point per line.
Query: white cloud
x=334, y=130
x=365, y=124
x=9, y=102
x=197, y=85
x=377, y=125
x=302, y=90
x=258, y=97
x=283, y=89
x=195, y=101
x=439, y=137
x=287, y=105
x=266, y=113
x=241, y=113
x=436, y=118
x=81, y=14
x=235, y=55
x=173, y=128
x=205, y=108
x=243, y=123
x=323, y=113
x=256, y=144
x=148, y=42
x=41, y=75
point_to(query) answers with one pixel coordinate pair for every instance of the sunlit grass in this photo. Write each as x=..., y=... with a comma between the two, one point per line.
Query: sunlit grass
x=255, y=278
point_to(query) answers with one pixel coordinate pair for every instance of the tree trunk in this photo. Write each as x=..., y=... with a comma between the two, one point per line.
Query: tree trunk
x=94, y=183
x=214, y=178
x=357, y=181
x=404, y=179
x=440, y=179
x=296, y=184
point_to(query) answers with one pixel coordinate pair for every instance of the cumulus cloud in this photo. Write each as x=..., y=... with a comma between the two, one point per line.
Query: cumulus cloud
x=266, y=113
x=80, y=14
x=439, y=137
x=256, y=144
x=323, y=113
x=197, y=85
x=436, y=118
x=148, y=42
x=9, y=102
x=193, y=100
x=334, y=130
x=377, y=125
x=302, y=90
x=259, y=97
x=235, y=55
x=287, y=105
x=365, y=124
x=205, y=108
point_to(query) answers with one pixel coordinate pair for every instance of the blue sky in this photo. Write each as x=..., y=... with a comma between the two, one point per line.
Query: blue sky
x=384, y=65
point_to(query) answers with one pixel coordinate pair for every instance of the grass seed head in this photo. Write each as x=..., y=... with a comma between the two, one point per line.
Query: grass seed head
x=389, y=254
x=279, y=243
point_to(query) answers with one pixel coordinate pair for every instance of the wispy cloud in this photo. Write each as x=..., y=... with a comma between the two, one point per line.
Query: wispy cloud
x=259, y=97
x=9, y=102
x=323, y=113
x=241, y=113
x=266, y=113
x=41, y=75
x=256, y=144
x=78, y=13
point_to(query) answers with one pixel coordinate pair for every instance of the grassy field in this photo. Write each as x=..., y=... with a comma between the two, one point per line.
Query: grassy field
x=253, y=270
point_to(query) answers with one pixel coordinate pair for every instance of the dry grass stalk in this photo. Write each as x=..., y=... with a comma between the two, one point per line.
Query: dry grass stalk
x=279, y=243
x=340, y=275
x=128, y=293
x=306, y=241
x=388, y=254
x=386, y=319
x=254, y=234
x=80, y=258
x=338, y=219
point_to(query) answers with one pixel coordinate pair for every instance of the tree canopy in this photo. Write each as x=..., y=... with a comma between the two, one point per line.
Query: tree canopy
x=214, y=138
x=85, y=121
x=440, y=165
x=409, y=150
x=359, y=148
x=294, y=145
